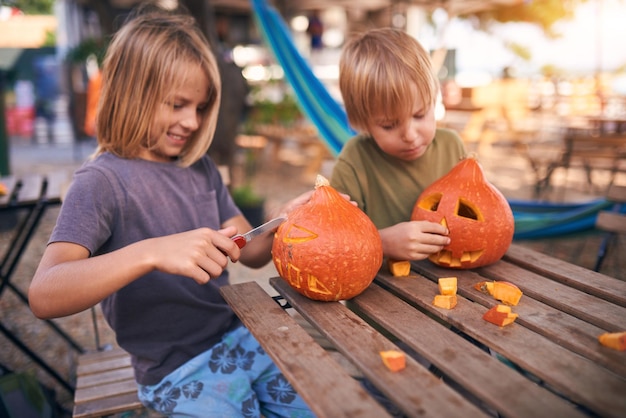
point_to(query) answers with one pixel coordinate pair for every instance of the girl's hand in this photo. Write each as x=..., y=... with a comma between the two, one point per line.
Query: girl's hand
x=201, y=254
x=414, y=240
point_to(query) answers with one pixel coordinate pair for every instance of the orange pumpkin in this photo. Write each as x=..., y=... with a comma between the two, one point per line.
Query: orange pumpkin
x=477, y=215
x=327, y=249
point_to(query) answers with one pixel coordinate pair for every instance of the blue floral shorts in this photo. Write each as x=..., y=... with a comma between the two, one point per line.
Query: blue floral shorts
x=235, y=378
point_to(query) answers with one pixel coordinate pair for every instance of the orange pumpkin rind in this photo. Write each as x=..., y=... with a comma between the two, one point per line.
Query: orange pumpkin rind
x=505, y=292
x=476, y=213
x=447, y=285
x=327, y=249
x=445, y=301
x=399, y=268
x=394, y=360
x=3, y=189
x=500, y=315
x=614, y=340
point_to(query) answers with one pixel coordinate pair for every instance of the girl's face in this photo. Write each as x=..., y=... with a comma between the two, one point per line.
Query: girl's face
x=407, y=138
x=177, y=119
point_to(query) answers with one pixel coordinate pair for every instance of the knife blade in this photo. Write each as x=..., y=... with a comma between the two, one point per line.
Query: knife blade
x=242, y=239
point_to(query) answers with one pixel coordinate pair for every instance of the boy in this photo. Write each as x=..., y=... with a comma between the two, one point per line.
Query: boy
x=389, y=91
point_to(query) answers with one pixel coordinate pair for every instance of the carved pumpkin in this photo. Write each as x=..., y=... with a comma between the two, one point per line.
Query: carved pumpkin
x=327, y=249
x=477, y=215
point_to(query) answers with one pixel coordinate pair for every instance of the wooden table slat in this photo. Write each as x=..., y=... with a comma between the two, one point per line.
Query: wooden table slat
x=414, y=390
x=111, y=376
x=566, y=299
x=10, y=182
x=97, y=356
x=57, y=181
x=108, y=406
x=322, y=383
x=128, y=386
x=511, y=394
x=579, y=379
x=586, y=280
x=30, y=190
x=110, y=364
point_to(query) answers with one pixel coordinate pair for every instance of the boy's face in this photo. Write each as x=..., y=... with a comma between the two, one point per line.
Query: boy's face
x=177, y=119
x=407, y=138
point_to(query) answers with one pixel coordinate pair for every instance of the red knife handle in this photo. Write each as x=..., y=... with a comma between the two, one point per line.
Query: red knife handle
x=239, y=240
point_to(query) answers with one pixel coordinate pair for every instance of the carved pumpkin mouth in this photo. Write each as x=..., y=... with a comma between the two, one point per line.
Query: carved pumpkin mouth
x=464, y=209
x=445, y=258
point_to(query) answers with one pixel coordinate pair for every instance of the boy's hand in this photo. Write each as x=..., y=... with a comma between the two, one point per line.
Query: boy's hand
x=414, y=240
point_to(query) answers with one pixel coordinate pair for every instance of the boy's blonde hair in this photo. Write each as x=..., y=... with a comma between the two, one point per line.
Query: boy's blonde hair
x=147, y=60
x=378, y=72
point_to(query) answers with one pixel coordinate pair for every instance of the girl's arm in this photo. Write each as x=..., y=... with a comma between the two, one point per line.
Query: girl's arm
x=68, y=281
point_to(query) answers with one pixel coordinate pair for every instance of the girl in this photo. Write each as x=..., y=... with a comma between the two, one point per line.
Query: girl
x=145, y=229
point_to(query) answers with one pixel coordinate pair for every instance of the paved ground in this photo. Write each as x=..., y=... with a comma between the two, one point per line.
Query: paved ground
x=278, y=181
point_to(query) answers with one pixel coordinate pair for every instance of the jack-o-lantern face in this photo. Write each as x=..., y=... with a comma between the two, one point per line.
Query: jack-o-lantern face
x=327, y=249
x=477, y=215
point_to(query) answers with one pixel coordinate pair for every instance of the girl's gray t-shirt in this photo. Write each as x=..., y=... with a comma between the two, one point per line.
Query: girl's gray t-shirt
x=162, y=320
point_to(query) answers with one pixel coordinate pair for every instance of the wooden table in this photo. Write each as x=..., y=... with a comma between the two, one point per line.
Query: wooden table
x=567, y=373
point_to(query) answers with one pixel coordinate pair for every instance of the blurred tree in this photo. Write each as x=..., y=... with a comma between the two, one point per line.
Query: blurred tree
x=31, y=7
x=543, y=13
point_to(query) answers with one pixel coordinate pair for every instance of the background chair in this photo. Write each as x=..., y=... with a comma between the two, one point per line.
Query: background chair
x=613, y=222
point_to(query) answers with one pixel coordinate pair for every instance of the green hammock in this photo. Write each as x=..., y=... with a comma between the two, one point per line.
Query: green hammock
x=533, y=219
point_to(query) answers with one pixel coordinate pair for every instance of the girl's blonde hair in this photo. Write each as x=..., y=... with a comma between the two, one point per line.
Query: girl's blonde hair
x=147, y=60
x=378, y=73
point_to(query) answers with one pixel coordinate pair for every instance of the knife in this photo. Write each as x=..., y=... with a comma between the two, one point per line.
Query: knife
x=242, y=239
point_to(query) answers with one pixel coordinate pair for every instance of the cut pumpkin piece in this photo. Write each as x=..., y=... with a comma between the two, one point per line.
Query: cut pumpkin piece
x=614, y=340
x=399, y=268
x=500, y=315
x=445, y=301
x=505, y=292
x=394, y=360
x=447, y=285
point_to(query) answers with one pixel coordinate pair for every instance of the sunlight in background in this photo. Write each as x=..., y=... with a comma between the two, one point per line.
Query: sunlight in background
x=593, y=40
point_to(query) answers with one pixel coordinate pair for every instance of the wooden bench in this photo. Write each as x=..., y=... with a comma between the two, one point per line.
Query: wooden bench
x=606, y=152
x=105, y=384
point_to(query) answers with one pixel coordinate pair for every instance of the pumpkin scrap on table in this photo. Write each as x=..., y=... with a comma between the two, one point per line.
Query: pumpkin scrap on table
x=327, y=249
x=3, y=189
x=500, y=315
x=614, y=340
x=394, y=360
x=446, y=298
x=505, y=292
x=478, y=217
x=399, y=268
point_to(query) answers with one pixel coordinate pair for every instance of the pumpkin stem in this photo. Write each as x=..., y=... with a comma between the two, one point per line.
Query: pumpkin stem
x=321, y=181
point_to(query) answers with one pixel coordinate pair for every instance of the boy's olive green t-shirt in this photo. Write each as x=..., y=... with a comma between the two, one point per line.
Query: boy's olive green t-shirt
x=386, y=188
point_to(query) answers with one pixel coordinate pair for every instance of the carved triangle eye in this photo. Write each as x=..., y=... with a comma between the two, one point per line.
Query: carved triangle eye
x=467, y=210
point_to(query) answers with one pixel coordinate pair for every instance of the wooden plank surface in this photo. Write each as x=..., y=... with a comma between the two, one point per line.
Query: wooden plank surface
x=109, y=376
x=106, y=364
x=579, y=379
x=568, y=331
x=92, y=393
x=10, y=182
x=323, y=384
x=572, y=301
x=414, y=390
x=108, y=406
x=588, y=281
x=481, y=374
x=612, y=222
x=31, y=189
